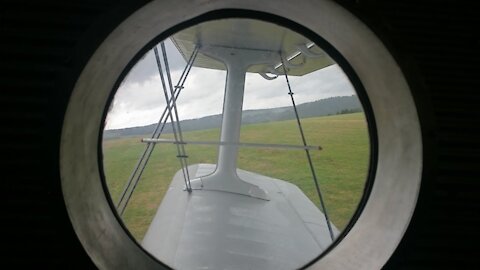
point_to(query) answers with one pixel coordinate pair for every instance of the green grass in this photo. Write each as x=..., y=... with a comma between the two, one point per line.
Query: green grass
x=341, y=166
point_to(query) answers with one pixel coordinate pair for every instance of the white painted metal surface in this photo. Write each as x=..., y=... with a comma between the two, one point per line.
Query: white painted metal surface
x=237, y=62
x=235, y=219
x=220, y=230
x=253, y=35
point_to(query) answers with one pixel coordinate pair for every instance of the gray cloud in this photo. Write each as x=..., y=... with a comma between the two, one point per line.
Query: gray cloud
x=140, y=100
x=328, y=82
x=147, y=66
x=142, y=103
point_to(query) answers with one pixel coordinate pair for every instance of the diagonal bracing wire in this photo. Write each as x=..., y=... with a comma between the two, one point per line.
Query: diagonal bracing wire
x=145, y=156
x=307, y=152
x=174, y=119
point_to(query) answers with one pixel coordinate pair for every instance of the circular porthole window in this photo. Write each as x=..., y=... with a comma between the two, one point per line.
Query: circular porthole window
x=263, y=137
x=259, y=151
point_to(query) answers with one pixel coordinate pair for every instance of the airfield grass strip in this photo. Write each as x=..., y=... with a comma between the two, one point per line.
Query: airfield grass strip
x=341, y=166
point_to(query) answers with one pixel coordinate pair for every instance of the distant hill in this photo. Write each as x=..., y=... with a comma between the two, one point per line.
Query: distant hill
x=328, y=106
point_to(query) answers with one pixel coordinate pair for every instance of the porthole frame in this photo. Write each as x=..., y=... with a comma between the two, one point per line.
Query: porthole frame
x=367, y=244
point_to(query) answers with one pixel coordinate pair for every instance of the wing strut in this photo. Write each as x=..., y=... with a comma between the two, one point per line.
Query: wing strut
x=307, y=152
x=145, y=156
x=173, y=113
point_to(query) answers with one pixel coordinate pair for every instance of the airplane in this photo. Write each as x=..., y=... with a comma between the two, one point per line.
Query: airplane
x=217, y=216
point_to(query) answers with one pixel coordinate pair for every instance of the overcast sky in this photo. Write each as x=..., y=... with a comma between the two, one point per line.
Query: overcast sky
x=140, y=99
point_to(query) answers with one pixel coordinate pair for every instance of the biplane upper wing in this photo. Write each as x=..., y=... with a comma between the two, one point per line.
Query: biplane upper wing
x=300, y=54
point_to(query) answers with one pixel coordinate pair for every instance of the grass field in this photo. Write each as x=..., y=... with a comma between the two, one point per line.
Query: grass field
x=341, y=166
